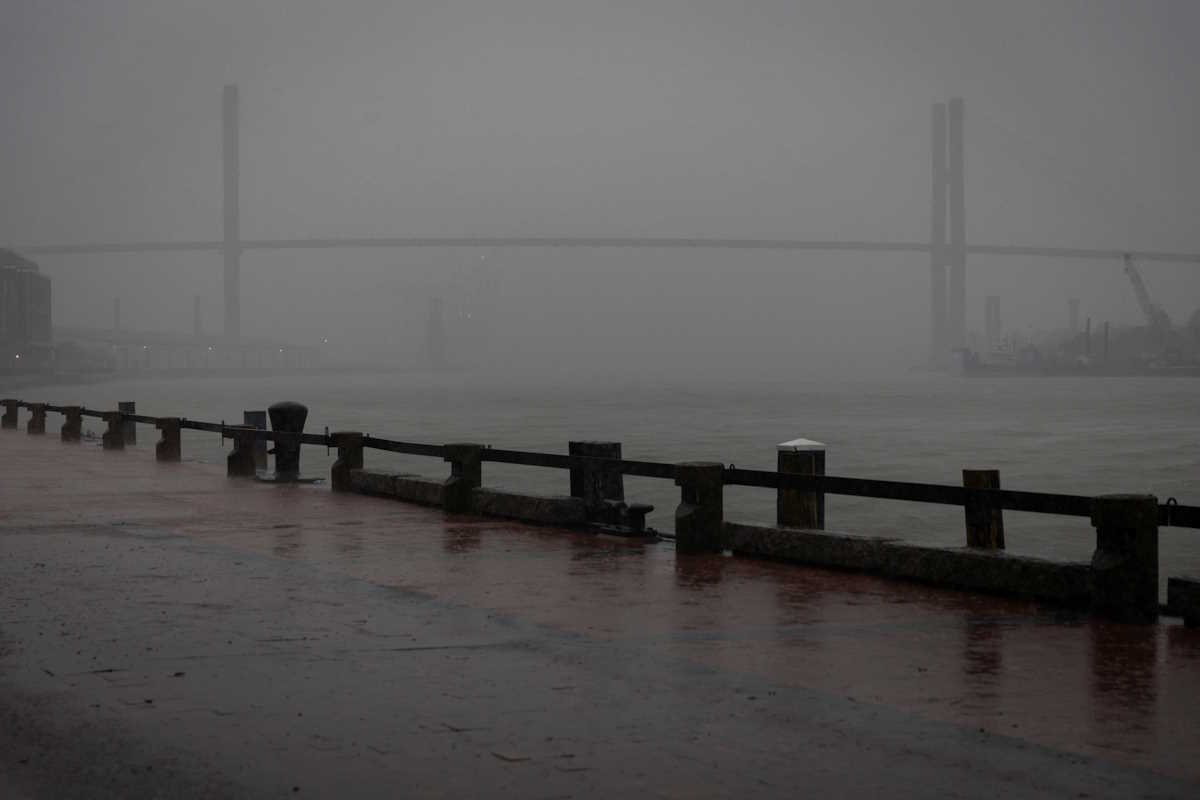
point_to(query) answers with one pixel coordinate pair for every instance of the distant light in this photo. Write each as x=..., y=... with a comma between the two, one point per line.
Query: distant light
x=145, y=347
x=325, y=340
x=281, y=349
x=18, y=355
x=210, y=348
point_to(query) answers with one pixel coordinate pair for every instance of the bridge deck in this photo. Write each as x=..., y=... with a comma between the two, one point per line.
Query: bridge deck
x=163, y=630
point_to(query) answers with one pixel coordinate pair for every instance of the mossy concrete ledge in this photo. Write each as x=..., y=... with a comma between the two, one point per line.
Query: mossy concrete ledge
x=410, y=488
x=538, y=509
x=988, y=571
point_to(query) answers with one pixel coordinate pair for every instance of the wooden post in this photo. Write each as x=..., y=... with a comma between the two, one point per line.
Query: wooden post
x=800, y=508
x=350, y=457
x=37, y=419
x=258, y=420
x=1125, y=564
x=170, y=446
x=985, y=519
x=240, y=461
x=128, y=426
x=9, y=420
x=72, y=427
x=593, y=484
x=114, y=437
x=700, y=516
x=466, y=473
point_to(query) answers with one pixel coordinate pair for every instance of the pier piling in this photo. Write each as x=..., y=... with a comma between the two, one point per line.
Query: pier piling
x=114, y=437
x=350, y=456
x=257, y=420
x=286, y=417
x=700, y=516
x=240, y=461
x=985, y=519
x=1125, y=564
x=37, y=419
x=72, y=427
x=800, y=508
x=466, y=473
x=9, y=420
x=128, y=426
x=170, y=446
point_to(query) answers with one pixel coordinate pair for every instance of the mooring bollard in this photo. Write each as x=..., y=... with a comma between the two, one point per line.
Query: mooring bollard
x=349, y=446
x=1125, y=564
x=1183, y=597
x=593, y=483
x=240, y=461
x=128, y=426
x=9, y=420
x=170, y=446
x=985, y=518
x=466, y=473
x=258, y=421
x=800, y=508
x=700, y=516
x=72, y=427
x=114, y=436
x=37, y=419
x=287, y=417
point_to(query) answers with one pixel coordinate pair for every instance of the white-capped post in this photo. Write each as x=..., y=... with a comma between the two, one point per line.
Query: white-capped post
x=801, y=508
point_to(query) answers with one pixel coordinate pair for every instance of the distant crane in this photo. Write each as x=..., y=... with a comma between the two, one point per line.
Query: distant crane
x=1156, y=317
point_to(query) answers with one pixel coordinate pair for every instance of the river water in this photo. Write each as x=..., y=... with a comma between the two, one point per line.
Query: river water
x=1076, y=435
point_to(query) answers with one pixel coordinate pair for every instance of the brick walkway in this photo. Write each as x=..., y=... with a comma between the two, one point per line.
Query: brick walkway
x=165, y=631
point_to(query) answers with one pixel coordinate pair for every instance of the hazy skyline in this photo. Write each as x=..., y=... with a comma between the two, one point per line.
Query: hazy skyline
x=798, y=120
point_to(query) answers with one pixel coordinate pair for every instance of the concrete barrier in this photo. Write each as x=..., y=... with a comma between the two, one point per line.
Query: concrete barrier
x=537, y=509
x=989, y=571
x=409, y=488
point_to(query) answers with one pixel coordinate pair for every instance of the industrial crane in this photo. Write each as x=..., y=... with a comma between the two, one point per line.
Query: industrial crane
x=1156, y=317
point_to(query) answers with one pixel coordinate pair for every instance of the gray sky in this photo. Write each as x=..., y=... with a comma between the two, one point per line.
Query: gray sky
x=549, y=118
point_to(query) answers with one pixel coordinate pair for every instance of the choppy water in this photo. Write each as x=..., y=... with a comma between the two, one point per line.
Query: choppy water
x=1077, y=435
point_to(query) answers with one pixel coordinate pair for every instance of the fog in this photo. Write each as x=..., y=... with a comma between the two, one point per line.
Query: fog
x=531, y=118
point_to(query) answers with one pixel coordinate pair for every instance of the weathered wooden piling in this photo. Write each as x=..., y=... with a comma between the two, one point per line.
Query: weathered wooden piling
x=1183, y=598
x=170, y=446
x=114, y=436
x=128, y=426
x=9, y=420
x=985, y=518
x=287, y=417
x=594, y=483
x=37, y=419
x=350, y=456
x=466, y=474
x=800, y=508
x=700, y=516
x=1125, y=564
x=72, y=427
x=257, y=420
x=240, y=461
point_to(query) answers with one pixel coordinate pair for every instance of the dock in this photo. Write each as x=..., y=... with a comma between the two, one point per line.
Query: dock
x=167, y=631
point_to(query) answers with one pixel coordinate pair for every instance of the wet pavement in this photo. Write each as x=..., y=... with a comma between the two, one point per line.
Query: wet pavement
x=167, y=632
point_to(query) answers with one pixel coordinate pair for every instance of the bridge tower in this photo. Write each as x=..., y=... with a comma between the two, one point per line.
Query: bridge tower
x=948, y=329
x=231, y=247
